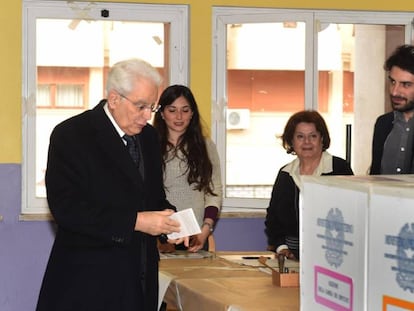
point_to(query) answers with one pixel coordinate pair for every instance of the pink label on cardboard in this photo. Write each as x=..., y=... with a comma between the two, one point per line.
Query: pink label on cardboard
x=333, y=290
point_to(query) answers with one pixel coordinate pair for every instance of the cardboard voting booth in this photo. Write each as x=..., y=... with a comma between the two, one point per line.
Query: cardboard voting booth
x=334, y=217
x=357, y=243
x=391, y=248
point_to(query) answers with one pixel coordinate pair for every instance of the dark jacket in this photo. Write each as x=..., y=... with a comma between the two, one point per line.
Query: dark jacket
x=282, y=217
x=94, y=191
x=382, y=128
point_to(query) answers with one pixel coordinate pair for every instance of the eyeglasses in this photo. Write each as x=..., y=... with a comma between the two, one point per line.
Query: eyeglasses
x=312, y=137
x=142, y=106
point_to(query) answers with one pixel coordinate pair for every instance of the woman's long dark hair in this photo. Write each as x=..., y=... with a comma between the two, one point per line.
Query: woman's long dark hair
x=192, y=143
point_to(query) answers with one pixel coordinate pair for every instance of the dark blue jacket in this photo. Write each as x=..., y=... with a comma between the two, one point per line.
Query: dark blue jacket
x=382, y=128
x=94, y=190
x=282, y=217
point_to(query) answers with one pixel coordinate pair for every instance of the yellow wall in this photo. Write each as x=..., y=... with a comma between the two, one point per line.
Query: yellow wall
x=200, y=54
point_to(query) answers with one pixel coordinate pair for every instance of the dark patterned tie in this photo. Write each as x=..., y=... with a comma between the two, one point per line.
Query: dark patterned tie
x=134, y=151
x=132, y=147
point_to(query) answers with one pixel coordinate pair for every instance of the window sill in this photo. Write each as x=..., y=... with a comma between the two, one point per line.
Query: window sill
x=35, y=217
x=243, y=213
x=228, y=213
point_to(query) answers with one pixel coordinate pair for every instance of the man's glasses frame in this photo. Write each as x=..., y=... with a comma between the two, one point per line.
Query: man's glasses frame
x=141, y=106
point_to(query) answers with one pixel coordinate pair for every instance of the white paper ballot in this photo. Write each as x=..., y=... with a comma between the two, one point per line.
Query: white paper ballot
x=189, y=224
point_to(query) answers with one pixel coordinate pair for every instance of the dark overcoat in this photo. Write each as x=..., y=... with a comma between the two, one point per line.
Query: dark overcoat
x=94, y=191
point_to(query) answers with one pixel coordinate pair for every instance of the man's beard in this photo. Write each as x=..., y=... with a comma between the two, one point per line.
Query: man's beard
x=409, y=106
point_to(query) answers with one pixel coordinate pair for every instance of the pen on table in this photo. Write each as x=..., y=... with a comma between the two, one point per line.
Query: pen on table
x=253, y=257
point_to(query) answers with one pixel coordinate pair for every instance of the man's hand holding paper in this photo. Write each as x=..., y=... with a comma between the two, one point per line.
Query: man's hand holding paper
x=189, y=225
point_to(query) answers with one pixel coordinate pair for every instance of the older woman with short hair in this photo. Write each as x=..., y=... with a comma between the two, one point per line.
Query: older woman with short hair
x=306, y=136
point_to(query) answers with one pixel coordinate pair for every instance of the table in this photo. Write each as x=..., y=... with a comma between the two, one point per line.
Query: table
x=215, y=283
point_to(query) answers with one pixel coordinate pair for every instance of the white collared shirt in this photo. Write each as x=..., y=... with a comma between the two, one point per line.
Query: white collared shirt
x=111, y=118
x=325, y=166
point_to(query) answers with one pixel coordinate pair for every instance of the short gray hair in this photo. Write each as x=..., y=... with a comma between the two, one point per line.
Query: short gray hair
x=124, y=74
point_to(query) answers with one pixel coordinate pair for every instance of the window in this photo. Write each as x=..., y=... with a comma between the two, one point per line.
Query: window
x=270, y=63
x=68, y=48
x=60, y=87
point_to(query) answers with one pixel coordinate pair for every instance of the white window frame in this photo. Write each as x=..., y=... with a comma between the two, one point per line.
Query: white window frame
x=176, y=15
x=222, y=16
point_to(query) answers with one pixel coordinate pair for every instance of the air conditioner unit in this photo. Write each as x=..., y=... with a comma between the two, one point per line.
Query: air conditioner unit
x=238, y=119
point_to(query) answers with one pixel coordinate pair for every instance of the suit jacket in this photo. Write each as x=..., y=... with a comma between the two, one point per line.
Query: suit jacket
x=94, y=191
x=382, y=128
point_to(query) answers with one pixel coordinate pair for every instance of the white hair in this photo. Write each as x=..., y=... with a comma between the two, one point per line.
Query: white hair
x=124, y=74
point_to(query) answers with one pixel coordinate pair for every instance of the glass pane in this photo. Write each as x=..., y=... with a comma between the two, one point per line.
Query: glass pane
x=352, y=91
x=43, y=95
x=265, y=85
x=69, y=96
x=72, y=58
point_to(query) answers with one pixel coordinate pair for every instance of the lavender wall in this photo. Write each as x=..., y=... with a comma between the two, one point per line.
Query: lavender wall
x=25, y=245
x=240, y=234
